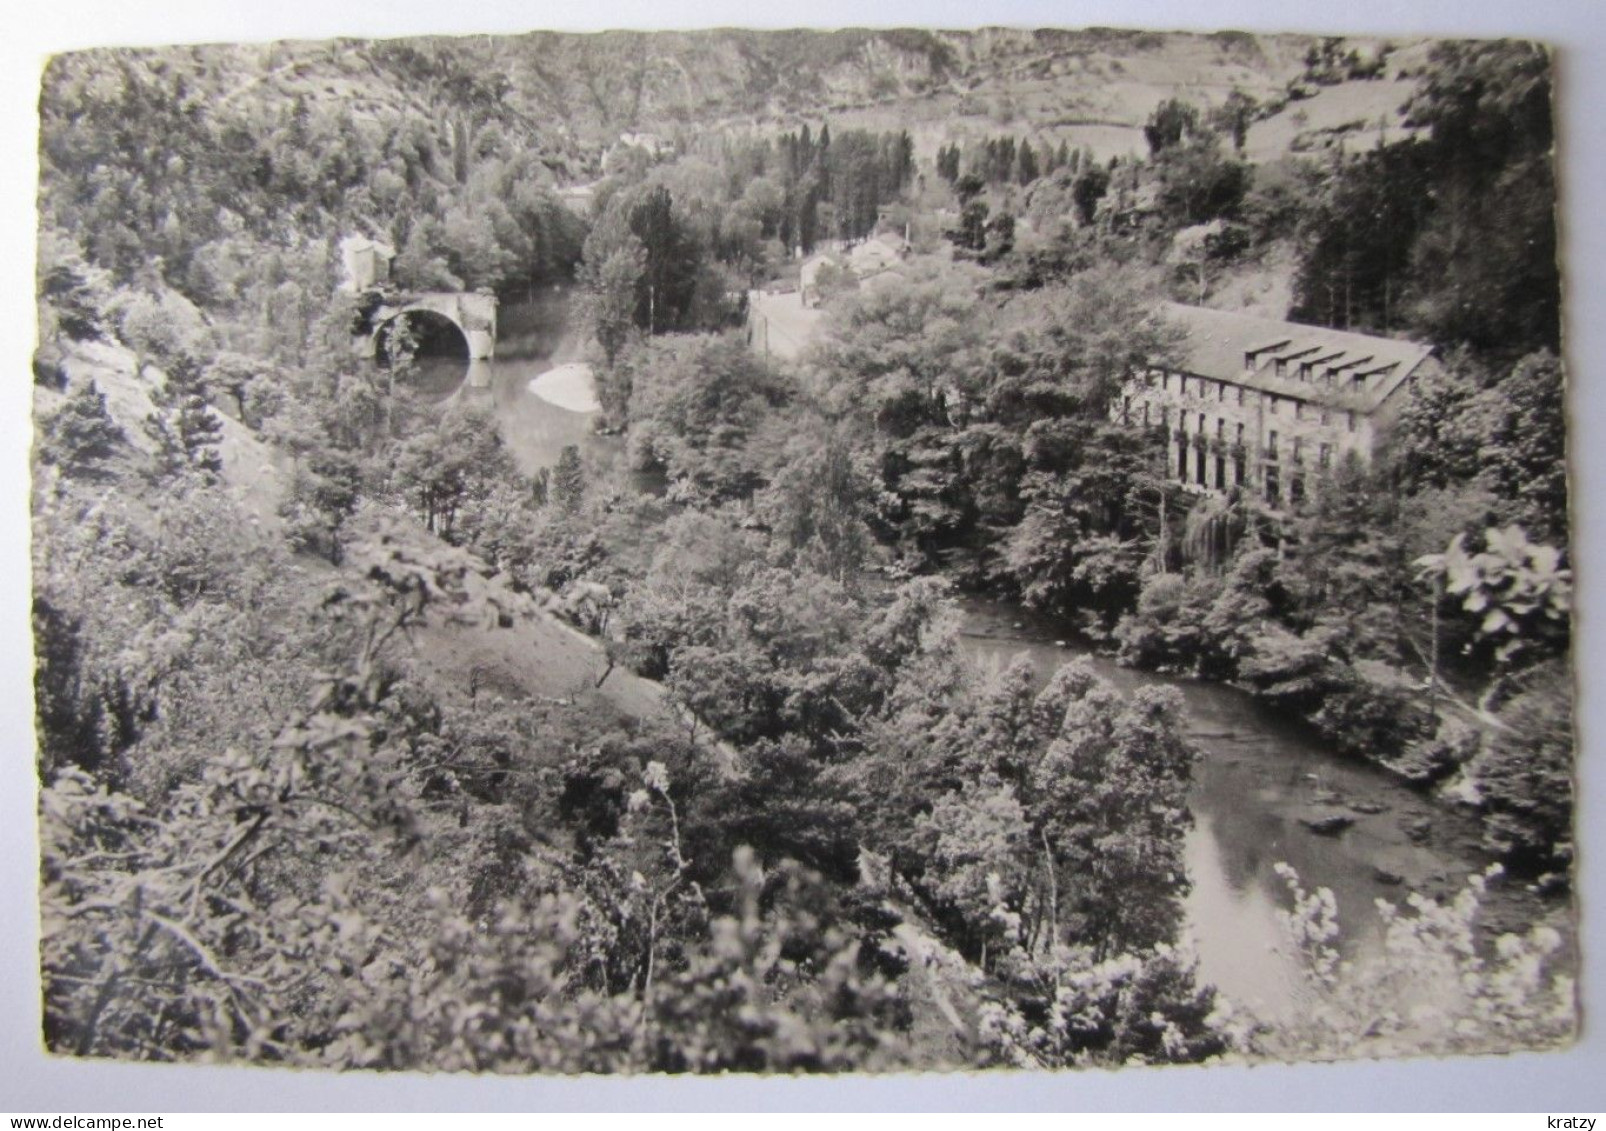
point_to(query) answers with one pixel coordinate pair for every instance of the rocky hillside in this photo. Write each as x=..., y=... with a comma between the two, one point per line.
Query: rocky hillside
x=571, y=95
x=1094, y=87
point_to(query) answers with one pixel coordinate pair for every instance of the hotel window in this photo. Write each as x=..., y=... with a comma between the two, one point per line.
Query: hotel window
x=1326, y=416
x=1126, y=410
x=1240, y=396
x=1271, y=406
x=1351, y=420
x=1221, y=391
x=1324, y=456
x=1240, y=432
x=1201, y=424
x=1221, y=429
x=1145, y=414
x=1299, y=409
x=1182, y=386
x=1273, y=491
x=1165, y=382
x=1297, y=445
x=1271, y=444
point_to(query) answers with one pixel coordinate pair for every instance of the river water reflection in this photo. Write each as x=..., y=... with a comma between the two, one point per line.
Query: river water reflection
x=1258, y=774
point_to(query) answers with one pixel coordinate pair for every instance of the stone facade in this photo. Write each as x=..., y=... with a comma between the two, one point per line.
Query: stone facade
x=1268, y=406
x=366, y=262
x=473, y=313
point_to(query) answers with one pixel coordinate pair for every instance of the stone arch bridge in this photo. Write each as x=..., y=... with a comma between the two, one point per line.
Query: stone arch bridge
x=471, y=313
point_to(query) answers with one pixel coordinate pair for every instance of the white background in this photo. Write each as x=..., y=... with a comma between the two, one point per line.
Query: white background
x=32, y=1082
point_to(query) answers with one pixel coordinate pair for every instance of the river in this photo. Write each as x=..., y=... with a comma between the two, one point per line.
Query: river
x=1258, y=773
x=534, y=337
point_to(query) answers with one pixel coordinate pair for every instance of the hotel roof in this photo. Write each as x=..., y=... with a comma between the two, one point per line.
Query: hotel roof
x=1318, y=364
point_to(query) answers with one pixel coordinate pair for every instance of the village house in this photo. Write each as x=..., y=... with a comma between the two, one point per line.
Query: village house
x=1269, y=406
x=870, y=263
x=366, y=263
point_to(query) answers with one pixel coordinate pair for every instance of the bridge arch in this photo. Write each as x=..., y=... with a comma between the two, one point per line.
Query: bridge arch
x=471, y=314
x=434, y=334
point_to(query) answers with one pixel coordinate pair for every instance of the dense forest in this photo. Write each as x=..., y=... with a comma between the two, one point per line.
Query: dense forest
x=294, y=809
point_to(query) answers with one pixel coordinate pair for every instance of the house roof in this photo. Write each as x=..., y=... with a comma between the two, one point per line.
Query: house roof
x=1317, y=363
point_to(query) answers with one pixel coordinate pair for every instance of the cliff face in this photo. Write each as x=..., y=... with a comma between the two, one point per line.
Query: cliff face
x=570, y=96
x=614, y=81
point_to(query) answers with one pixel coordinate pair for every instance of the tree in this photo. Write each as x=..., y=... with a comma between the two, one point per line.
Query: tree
x=1524, y=455
x=1087, y=190
x=696, y=401
x=1172, y=122
x=568, y=480
x=324, y=494
x=1356, y=244
x=1391, y=242
x=971, y=234
x=979, y=864
x=81, y=435
x=1488, y=109
x=819, y=505
x=184, y=428
x=255, y=388
x=1198, y=184
x=442, y=471
x=670, y=264
x=611, y=272
x=1111, y=797
x=1027, y=166
x=1234, y=116
x=73, y=294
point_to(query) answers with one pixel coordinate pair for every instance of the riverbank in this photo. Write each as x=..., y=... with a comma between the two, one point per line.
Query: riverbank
x=568, y=386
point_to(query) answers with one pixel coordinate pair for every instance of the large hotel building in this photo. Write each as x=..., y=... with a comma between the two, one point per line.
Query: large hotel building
x=1269, y=406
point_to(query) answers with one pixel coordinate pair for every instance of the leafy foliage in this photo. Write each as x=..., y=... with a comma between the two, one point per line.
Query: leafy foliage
x=1432, y=989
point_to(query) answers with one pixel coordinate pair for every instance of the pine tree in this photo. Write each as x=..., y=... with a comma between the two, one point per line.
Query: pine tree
x=82, y=433
x=1026, y=164
x=569, y=480
x=185, y=428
